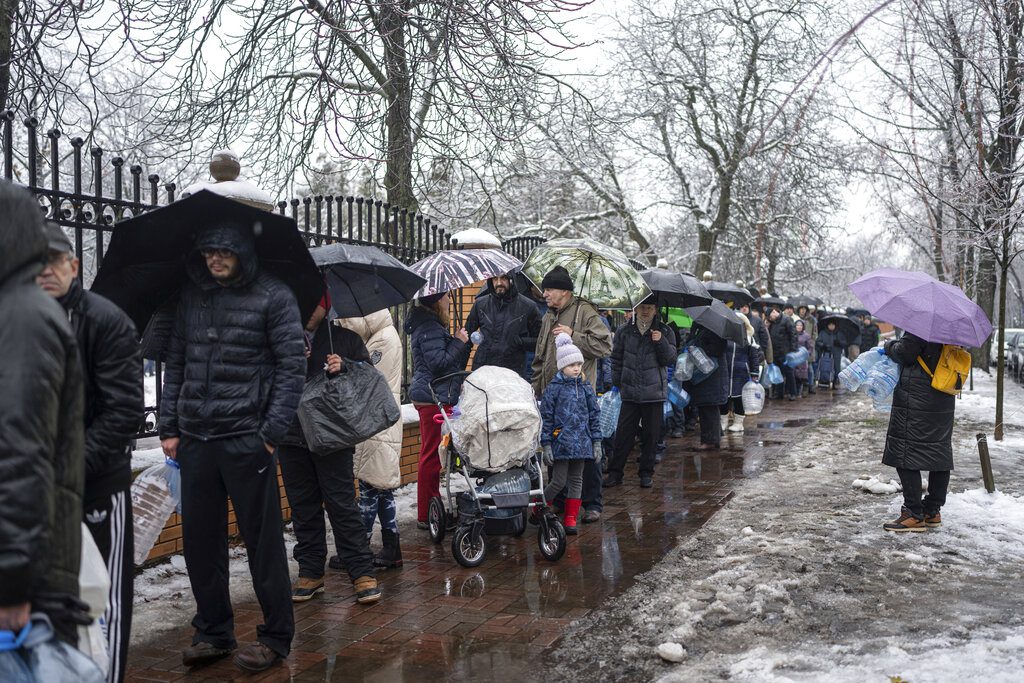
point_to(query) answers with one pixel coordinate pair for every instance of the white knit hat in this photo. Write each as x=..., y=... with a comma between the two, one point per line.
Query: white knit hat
x=566, y=352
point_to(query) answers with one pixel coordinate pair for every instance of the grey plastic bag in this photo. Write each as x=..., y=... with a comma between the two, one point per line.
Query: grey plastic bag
x=343, y=410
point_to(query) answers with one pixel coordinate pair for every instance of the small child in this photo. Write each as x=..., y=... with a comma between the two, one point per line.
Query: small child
x=571, y=432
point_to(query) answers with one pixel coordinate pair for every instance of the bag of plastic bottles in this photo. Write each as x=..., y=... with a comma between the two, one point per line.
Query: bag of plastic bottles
x=796, y=358
x=684, y=366
x=882, y=380
x=610, y=405
x=753, y=398
x=774, y=374
x=153, y=501
x=36, y=655
x=857, y=372
x=702, y=363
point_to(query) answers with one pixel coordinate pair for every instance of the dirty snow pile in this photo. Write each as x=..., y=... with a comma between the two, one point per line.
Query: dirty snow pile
x=875, y=485
x=794, y=580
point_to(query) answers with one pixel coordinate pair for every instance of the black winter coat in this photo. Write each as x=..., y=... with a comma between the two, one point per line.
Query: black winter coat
x=743, y=362
x=869, y=336
x=832, y=343
x=509, y=325
x=714, y=390
x=920, y=435
x=784, y=338
x=435, y=353
x=345, y=343
x=235, y=363
x=42, y=445
x=639, y=364
x=762, y=337
x=114, y=401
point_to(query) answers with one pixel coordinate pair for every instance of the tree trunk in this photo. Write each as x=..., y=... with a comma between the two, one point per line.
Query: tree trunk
x=8, y=10
x=398, y=171
x=706, y=240
x=1001, y=363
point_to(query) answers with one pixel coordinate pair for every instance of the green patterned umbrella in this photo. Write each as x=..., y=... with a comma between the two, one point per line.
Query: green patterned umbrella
x=601, y=274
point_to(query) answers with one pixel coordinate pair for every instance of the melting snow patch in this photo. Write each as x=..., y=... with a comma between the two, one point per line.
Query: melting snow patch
x=877, y=486
x=671, y=652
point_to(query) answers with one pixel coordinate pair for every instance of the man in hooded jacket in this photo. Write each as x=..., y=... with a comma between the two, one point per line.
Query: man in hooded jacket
x=235, y=370
x=508, y=323
x=42, y=444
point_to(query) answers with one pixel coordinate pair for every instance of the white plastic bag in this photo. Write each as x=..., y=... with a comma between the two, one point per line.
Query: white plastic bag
x=152, y=504
x=94, y=590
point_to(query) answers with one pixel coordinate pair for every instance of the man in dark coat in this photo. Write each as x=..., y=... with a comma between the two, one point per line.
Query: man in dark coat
x=508, y=323
x=761, y=336
x=710, y=394
x=920, y=435
x=109, y=349
x=235, y=369
x=315, y=483
x=641, y=354
x=42, y=442
x=870, y=334
x=784, y=340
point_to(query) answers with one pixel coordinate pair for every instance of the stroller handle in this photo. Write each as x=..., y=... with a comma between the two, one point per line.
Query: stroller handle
x=450, y=377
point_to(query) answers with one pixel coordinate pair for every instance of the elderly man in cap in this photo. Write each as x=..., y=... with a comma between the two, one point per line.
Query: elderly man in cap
x=581, y=321
x=109, y=350
x=235, y=371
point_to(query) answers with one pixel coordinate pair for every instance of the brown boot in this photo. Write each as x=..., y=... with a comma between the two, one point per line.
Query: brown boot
x=306, y=588
x=907, y=522
x=932, y=521
x=256, y=657
x=202, y=654
x=367, y=590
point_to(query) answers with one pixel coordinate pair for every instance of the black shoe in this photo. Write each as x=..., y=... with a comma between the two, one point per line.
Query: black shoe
x=646, y=482
x=611, y=482
x=390, y=556
x=202, y=654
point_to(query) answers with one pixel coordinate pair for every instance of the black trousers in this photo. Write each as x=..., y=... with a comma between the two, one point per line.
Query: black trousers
x=938, y=485
x=645, y=417
x=710, y=425
x=735, y=403
x=241, y=468
x=315, y=483
x=109, y=519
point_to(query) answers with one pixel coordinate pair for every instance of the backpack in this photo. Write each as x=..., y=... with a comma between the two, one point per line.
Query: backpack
x=951, y=371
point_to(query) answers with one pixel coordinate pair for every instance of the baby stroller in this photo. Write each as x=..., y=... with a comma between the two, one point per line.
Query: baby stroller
x=491, y=440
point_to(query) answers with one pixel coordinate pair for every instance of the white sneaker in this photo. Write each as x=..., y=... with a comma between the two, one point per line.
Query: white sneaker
x=736, y=427
x=725, y=422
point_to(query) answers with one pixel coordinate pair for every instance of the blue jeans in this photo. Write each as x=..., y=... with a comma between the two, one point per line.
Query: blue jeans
x=377, y=503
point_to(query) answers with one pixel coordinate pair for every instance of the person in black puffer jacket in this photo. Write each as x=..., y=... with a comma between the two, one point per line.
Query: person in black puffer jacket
x=508, y=322
x=641, y=354
x=784, y=340
x=235, y=369
x=435, y=353
x=42, y=440
x=711, y=393
x=109, y=350
x=920, y=435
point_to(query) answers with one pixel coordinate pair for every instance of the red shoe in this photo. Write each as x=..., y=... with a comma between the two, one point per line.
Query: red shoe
x=572, y=511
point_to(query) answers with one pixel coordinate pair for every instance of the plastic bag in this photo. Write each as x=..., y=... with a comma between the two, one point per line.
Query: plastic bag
x=702, y=362
x=94, y=589
x=152, y=503
x=610, y=405
x=342, y=410
x=796, y=358
x=684, y=366
x=498, y=423
x=37, y=656
x=774, y=374
x=753, y=398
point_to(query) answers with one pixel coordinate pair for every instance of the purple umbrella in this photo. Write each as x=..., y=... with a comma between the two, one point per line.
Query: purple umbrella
x=923, y=306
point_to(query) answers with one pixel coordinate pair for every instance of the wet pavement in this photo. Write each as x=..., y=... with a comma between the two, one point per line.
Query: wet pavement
x=439, y=621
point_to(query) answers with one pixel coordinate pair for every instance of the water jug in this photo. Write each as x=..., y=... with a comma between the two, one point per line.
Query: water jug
x=701, y=362
x=477, y=337
x=684, y=366
x=753, y=398
x=857, y=372
x=796, y=358
x=882, y=380
x=677, y=395
x=152, y=504
x=883, y=406
x=610, y=404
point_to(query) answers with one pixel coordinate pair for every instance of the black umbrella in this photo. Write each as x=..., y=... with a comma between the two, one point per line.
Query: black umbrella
x=143, y=269
x=847, y=326
x=364, y=279
x=720, y=320
x=858, y=312
x=805, y=301
x=729, y=293
x=676, y=290
x=770, y=301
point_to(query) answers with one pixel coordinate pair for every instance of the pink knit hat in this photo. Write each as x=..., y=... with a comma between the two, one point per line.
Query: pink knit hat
x=567, y=353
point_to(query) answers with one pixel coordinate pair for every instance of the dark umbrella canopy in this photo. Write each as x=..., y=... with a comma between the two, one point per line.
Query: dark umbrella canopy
x=729, y=293
x=858, y=312
x=721, y=320
x=676, y=290
x=364, y=279
x=773, y=301
x=805, y=301
x=845, y=325
x=143, y=269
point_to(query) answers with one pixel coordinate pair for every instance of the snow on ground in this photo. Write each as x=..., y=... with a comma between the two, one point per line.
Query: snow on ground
x=815, y=590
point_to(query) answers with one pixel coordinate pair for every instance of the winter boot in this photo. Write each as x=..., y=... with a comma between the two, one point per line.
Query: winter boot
x=932, y=520
x=367, y=590
x=907, y=522
x=737, y=424
x=572, y=511
x=390, y=556
x=725, y=423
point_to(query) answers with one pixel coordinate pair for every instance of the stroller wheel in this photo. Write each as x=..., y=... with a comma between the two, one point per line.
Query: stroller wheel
x=437, y=520
x=551, y=538
x=468, y=552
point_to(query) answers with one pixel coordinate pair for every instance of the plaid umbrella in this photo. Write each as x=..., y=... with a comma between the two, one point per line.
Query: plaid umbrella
x=449, y=270
x=601, y=274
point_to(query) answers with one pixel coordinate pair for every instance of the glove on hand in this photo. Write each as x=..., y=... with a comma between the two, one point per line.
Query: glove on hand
x=548, y=455
x=598, y=452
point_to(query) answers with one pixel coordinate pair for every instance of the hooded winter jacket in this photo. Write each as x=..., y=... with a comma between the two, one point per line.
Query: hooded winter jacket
x=571, y=420
x=42, y=446
x=833, y=342
x=783, y=335
x=742, y=362
x=589, y=334
x=235, y=364
x=435, y=353
x=801, y=371
x=870, y=334
x=920, y=435
x=509, y=325
x=114, y=402
x=764, y=339
x=378, y=458
x=640, y=365
x=714, y=390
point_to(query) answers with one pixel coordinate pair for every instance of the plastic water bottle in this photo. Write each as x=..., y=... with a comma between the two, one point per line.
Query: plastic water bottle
x=882, y=380
x=796, y=358
x=857, y=372
x=677, y=395
x=753, y=398
x=152, y=504
x=610, y=405
x=701, y=362
x=884, y=405
x=477, y=337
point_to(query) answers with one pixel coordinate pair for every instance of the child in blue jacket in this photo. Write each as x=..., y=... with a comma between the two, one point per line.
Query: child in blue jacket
x=571, y=431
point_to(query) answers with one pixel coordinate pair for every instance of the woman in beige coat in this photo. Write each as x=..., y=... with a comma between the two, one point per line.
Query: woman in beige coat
x=377, y=459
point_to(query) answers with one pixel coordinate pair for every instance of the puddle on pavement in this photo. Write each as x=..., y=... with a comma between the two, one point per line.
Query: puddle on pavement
x=786, y=424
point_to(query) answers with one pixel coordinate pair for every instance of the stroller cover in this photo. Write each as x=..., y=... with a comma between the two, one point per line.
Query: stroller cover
x=499, y=425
